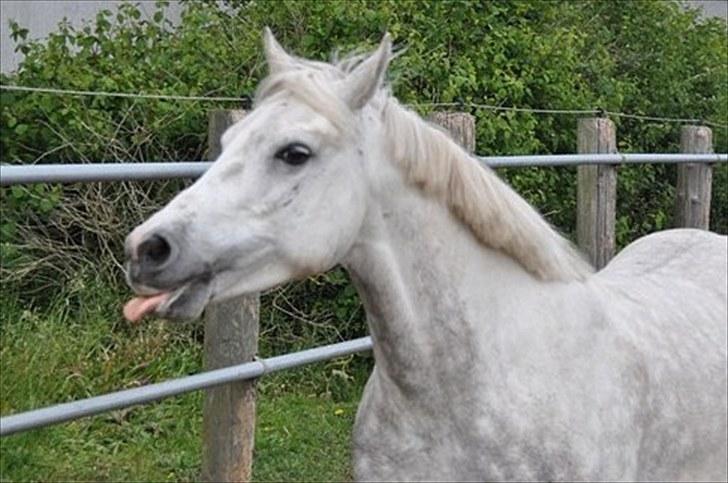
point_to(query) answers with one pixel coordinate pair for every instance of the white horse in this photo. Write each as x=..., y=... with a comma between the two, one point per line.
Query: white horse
x=500, y=355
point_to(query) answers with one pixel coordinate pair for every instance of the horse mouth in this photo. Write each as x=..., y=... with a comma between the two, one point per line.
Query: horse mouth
x=185, y=302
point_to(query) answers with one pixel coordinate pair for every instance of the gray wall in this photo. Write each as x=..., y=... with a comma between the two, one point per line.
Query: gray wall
x=711, y=8
x=42, y=16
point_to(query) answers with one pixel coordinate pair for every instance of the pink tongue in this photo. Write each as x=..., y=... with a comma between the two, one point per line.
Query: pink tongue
x=138, y=307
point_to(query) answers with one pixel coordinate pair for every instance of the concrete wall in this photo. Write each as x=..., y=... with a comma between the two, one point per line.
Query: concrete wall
x=41, y=17
x=710, y=8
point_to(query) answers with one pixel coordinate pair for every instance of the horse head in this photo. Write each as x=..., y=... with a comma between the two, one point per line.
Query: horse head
x=284, y=200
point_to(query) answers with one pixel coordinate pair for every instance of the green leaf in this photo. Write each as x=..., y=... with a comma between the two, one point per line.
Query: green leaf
x=18, y=192
x=45, y=205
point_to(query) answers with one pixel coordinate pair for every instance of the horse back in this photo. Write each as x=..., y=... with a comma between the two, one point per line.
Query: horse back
x=668, y=298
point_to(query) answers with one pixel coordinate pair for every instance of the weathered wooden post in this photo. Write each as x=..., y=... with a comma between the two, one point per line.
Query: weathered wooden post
x=692, y=200
x=461, y=126
x=596, y=196
x=231, y=337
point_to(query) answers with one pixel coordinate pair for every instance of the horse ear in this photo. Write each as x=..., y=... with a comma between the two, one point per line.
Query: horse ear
x=278, y=59
x=361, y=83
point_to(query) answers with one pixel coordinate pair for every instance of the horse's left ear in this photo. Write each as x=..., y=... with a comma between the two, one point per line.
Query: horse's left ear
x=361, y=84
x=277, y=58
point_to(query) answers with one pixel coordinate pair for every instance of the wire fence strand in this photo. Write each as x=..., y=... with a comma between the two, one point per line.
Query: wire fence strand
x=490, y=107
x=70, y=92
x=494, y=107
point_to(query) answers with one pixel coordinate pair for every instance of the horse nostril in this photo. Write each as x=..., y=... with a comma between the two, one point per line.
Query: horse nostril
x=155, y=250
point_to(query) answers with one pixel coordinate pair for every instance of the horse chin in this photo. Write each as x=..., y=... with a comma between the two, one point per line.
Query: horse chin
x=187, y=302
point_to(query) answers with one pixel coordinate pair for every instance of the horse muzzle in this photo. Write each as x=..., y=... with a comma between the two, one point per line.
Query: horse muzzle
x=168, y=281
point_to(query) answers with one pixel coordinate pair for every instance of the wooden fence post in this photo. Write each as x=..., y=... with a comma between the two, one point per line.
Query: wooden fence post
x=461, y=126
x=231, y=337
x=692, y=200
x=596, y=196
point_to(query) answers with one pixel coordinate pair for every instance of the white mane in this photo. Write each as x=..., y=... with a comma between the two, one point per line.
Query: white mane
x=497, y=216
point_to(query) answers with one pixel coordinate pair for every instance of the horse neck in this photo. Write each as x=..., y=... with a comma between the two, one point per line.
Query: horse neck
x=496, y=215
x=425, y=280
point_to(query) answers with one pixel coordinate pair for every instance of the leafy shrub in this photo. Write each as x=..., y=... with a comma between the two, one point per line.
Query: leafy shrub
x=637, y=57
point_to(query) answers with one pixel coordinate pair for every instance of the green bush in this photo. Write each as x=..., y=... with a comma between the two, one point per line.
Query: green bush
x=638, y=57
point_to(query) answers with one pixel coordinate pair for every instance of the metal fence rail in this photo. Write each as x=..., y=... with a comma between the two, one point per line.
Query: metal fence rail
x=70, y=173
x=152, y=392
x=592, y=159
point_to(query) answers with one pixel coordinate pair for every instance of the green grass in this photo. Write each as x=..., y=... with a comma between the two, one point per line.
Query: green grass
x=80, y=347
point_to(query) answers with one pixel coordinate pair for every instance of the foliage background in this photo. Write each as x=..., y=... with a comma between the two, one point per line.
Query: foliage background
x=637, y=57
x=61, y=246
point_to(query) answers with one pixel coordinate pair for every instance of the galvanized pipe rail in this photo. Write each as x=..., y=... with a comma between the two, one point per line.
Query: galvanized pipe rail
x=68, y=173
x=71, y=173
x=152, y=392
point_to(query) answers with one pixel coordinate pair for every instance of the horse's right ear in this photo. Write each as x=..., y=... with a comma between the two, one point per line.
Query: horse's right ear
x=278, y=59
x=361, y=84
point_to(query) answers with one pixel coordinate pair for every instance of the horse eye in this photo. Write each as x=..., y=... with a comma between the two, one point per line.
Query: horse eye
x=294, y=154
